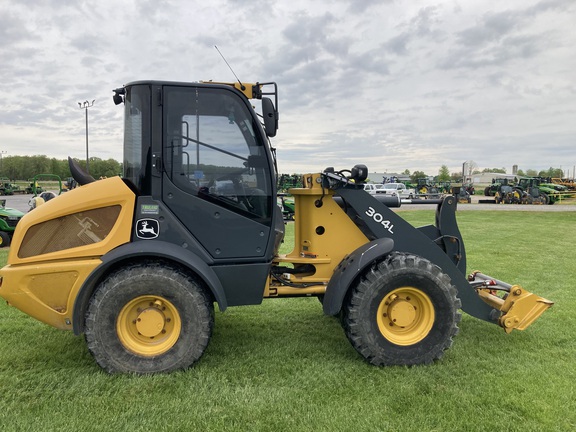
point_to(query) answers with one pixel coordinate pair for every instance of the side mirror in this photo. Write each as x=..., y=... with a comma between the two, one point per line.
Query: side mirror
x=270, y=117
x=118, y=93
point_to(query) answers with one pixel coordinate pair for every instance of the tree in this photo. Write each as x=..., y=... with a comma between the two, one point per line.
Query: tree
x=26, y=167
x=494, y=170
x=443, y=174
x=416, y=175
x=406, y=172
x=551, y=172
x=456, y=176
x=104, y=168
x=470, y=168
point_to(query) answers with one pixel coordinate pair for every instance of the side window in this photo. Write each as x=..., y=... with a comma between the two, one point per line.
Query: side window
x=211, y=150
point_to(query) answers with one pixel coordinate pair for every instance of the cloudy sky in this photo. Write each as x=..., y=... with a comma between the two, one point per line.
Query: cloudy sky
x=389, y=83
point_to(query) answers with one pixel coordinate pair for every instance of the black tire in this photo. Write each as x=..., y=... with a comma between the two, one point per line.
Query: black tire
x=425, y=301
x=148, y=318
x=4, y=239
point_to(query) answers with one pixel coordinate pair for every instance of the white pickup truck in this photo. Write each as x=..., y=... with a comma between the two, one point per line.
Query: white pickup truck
x=374, y=188
x=391, y=189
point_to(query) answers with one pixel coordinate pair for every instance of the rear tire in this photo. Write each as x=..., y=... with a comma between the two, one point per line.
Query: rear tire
x=403, y=311
x=148, y=318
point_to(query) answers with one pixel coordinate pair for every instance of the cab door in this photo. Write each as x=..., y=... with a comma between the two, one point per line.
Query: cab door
x=217, y=175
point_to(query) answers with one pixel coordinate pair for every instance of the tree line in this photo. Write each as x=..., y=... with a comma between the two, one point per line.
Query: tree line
x=26, y=167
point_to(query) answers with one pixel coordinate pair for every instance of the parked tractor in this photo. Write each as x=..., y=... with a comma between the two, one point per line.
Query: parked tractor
x=137, y=263
x=426, y=189
x=461, y=194
x=534, y=191
x=6, y=186
x=495, y=186
x=286, y=203
x=9, y=219
x=507, y=193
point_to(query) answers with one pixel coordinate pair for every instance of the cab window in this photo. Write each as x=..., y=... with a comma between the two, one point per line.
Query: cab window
x=212, y=149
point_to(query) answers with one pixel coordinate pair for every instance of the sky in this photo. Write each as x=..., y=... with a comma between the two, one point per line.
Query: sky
x=391, y=84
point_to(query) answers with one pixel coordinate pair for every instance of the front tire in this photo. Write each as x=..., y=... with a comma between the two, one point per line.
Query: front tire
x=148, y=318
x=403, y=311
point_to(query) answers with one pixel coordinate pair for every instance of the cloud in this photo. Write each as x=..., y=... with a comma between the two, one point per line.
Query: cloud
x=393, y=85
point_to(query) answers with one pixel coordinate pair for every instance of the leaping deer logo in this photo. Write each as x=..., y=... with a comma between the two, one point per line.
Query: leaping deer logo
x=147, y=229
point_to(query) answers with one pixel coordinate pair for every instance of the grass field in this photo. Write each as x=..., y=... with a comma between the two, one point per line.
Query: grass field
x=283, y=366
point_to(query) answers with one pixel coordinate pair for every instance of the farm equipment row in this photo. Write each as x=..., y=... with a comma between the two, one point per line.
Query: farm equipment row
x=527, y=191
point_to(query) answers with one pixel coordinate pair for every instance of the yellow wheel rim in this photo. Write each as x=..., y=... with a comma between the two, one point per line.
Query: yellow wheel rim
x=148, y=325
x=405, y=316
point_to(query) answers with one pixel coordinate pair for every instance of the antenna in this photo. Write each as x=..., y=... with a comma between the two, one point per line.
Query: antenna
x=242, y=86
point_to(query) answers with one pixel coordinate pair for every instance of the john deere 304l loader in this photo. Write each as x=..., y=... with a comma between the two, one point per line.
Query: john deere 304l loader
x=136, y=263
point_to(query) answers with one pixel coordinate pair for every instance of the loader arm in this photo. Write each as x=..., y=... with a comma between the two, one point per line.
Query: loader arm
x=442, y=245
x=418, y=242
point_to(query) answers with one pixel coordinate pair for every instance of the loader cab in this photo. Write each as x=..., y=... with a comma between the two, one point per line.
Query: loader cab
x=200, y=150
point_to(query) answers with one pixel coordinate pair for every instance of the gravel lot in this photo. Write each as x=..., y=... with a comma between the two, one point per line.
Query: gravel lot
x=475, y=205
x=20, y=202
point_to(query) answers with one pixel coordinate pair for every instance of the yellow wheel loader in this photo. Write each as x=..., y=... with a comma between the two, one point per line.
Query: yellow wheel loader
x=137, y=263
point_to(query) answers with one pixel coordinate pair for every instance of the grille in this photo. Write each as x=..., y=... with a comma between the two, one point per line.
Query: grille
x=13, y=222
x=70, y=231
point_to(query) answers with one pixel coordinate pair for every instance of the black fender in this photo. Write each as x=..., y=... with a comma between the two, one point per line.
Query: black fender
x=143, y=249
x=349, y=269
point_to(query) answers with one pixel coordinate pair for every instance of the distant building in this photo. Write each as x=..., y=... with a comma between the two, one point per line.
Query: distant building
x=375, y=177
x=485, y=178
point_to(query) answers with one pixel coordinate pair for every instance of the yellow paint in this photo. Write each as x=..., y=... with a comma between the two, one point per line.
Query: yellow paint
x=45, y=286
x=323, y=236
x=46, y=291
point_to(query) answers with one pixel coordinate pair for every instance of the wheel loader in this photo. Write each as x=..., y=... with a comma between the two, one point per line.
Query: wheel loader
x=137, y=263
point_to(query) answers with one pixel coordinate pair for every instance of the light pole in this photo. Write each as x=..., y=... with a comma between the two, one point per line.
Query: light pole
x=85, y=105
x=3, y=152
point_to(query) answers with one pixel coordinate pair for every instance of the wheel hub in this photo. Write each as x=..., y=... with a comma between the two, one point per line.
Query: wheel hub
x=150, y=322
x=405, y=316
x=402, y=313
x=148, y=325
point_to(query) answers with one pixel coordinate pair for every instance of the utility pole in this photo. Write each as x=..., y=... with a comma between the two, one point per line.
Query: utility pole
x=85, y=105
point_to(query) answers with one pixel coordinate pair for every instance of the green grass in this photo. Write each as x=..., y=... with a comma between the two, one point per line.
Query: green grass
x=283, y=366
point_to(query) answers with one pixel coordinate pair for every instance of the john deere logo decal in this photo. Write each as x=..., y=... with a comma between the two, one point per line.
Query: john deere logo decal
x=147, y=229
